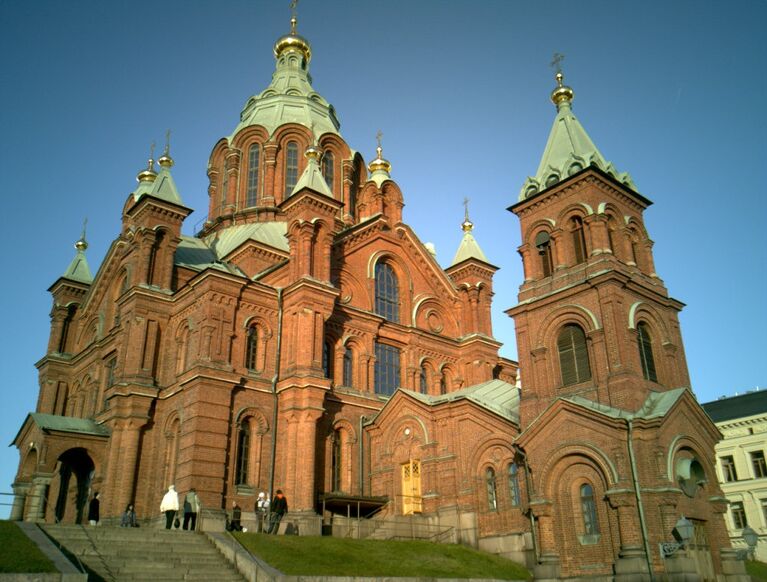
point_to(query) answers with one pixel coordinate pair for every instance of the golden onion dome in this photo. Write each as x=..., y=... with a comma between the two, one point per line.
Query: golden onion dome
x=293, y=42
x=379, y=163
x=148, y=174
x=562, y=93
x=81, y=244
x=313, y=153
x=165, y=160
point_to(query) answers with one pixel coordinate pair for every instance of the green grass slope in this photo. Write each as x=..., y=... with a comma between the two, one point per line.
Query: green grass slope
x=19, y=554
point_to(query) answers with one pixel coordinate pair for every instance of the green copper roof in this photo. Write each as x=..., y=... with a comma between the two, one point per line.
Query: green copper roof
x=78, y=269
x=164, y=187
x=313, y=179
x=68, y=424
x=289, y=98
x=269, y=233
x=495, y=395
x=468, y=249
x=656, y=405
x=568, y=151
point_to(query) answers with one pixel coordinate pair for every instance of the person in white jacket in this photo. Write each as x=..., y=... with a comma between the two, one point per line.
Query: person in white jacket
x=170, y=506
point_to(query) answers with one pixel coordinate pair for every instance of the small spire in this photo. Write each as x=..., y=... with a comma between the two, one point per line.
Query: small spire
x=149, y=174
x=293, y=41
x=293, y=16
x=562, y=95
x=467, y=225
x=81, y=245
x=165, y=160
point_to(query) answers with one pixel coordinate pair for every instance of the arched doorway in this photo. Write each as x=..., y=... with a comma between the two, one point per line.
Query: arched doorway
x=75, y=462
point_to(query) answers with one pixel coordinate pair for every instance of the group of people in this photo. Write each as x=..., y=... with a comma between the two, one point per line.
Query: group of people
x=269, y=512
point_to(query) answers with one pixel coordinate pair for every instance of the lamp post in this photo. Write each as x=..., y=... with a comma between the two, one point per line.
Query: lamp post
x=751, y=538
x=682, y=531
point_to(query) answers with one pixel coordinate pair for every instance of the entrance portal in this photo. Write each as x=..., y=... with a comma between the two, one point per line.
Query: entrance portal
x=75, y=462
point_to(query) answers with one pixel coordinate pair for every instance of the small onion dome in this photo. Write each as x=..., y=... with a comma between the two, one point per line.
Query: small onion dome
x=293, y=42
x=562, y=93
x=313, y=153
x=165, y=160
x=467, y=225
x=379, y=163
x=147, y=175
x=81, y=244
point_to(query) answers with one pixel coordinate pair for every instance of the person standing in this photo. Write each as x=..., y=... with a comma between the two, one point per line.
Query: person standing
x=169, y=506
x=279, y=509
x=191, y=509
x=262, y=511
x=93, y=510
x=235, y=524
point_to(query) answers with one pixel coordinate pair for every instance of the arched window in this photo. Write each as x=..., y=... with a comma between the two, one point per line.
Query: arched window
x=291, y=167
x=443, y=383
x=65, y=329
x=348, y=367
x=424, y=380
x=153, y=275
x=645, y=352
x=224, y=186
x=352, y=209
x=611, y=233
x=253, y=159
x=573, y=355
x=243, y=451
x=492, y=496
x=579, y=239
x=514, y=484
x=387, y=369
x=251, y=348
x=387, y=292
x=335, y=461
x=327, y=168
x=543, y=244
x=589, y=510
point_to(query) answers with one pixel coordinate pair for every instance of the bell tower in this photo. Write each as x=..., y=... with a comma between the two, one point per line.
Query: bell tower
x=593, y=320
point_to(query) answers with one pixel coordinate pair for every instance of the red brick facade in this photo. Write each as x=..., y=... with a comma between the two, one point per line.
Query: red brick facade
x=240, y=362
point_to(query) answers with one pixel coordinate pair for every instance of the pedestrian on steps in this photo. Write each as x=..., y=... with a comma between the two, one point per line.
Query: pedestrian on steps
x=169, y=506
x=191, y=509
x=93, y=510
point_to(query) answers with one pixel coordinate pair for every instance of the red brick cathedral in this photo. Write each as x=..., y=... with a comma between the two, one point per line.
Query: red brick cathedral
x=306, y=339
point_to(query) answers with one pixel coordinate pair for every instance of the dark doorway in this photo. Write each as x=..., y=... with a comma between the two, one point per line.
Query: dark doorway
x=74, y=462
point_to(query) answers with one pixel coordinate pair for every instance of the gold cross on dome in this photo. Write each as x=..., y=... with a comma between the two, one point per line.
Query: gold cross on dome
x=556, y=62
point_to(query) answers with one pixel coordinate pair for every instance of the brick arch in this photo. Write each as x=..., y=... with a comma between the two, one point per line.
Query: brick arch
x=258, y=418
x=547, y=224
x=404, y=281
x=569, y=454
x=570, y=313
x=645, y=312
x=352, y=291
x=450, y=373
x=684, y=441
x=480, y=459
x=345, y=425
x=390, y=436
x=443, y=322
x=249, y=135
x=580, y=209
x=29, y=464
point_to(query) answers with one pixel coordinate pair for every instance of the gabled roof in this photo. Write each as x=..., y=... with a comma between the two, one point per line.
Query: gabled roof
x=164, y=187
x=496, y=396
x=194, y=254
x=272, y=234
x=312, y=179
x=468, y=249
x=54, y=422
x=656, y=405
x=741, y=406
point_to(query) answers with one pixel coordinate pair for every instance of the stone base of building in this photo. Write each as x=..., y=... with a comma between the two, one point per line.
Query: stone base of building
x=631, y=566
x=733, y=569
x=548, y=569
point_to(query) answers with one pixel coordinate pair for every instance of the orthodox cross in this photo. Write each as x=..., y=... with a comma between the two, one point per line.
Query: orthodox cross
x=556, y=62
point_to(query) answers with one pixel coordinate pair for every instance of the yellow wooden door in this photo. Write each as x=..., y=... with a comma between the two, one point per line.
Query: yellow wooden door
x=411, y=487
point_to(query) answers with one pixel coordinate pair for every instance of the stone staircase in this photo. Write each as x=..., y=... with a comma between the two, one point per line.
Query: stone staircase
x=114, y=553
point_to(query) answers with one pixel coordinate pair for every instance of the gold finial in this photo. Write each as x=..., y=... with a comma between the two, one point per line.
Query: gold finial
x=379, y=163
x=165, y=160
x=562, y=94
x=293, y=41
x=149, y=174
x=82, y=244
x=466, y=225
x=293, y=16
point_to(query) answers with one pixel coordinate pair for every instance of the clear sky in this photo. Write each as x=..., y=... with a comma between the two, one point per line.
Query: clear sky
x=671, y=92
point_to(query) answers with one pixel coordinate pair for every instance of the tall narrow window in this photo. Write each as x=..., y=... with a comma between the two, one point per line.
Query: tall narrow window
x=543, y=244
x=589, y=510
x=387, y=369
x=423, y=380
x=492, y=496
x=327, y=359
x=758, y=463
x=224, y=186
x=514, y=484
x=387, y=292
x=738, y=515
x=253, y=159
x=764, y=508
x=291, y=167
x=443, y=383
x=243, y=450
x=645, y=353
x=153, y=270
x=352, y=208
x=251, y=348
x=611, y=229
x=579, y=239
x=111, y=366
x=65, y=329
x=327, y=168
x=728, y=469
x=335, y=461
x=573, y=355
x=348, y=367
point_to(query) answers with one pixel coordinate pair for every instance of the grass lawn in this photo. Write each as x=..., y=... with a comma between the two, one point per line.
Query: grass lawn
x=757, y=570
x=18, y=553
x=329, y=556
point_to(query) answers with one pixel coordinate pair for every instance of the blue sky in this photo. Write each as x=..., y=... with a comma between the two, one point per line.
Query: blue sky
x=671, y=92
